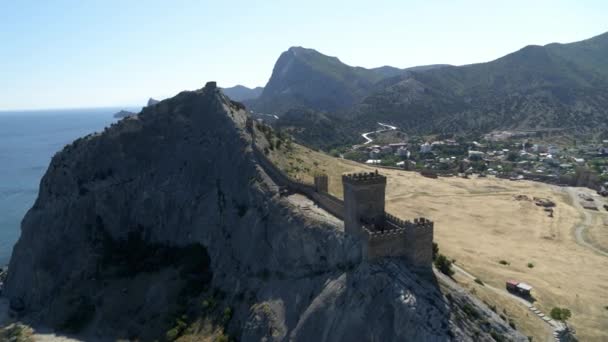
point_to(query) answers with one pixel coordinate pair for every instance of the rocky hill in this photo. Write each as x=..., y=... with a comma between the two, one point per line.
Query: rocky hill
x=305, y=78
x=242, y=93
x=558, y=85
x=165, y=226
x=552, y=86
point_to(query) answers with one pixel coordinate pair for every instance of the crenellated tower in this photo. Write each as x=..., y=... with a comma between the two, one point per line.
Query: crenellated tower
x=381, y=234
x=363, y=201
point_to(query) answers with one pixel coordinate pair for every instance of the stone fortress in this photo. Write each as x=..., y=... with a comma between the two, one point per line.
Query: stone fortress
x=383, y=234
x=363, y=211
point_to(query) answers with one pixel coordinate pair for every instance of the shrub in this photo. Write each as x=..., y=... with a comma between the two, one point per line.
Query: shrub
x=178, y=328
x=512, y=324
x=478, y=281
x=222, y=338
x=227, y=316
x=497, y=336
x=435, y=250
x=560, y=314
x=530, y=265
x=444, y=265
x=504, y=262
x=470, y=311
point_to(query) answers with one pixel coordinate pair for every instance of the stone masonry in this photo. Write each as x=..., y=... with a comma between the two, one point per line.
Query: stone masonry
x=382, y=234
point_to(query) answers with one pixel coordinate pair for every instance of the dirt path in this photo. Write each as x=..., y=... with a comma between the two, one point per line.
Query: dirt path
x=585, y=224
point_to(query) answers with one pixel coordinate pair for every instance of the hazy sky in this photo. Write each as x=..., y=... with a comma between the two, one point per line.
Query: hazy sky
x=57, y=54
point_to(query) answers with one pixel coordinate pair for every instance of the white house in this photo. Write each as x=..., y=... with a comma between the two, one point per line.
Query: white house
x=426, y=148
x=374, y=154
x=403, y=152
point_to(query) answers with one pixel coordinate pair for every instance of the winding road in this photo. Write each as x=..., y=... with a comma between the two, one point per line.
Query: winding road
x=387, y=128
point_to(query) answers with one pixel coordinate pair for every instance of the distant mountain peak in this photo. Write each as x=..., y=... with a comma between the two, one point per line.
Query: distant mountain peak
x=242, y=93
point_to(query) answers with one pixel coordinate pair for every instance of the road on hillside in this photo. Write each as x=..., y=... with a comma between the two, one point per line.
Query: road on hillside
x=386, y=128
x=585, y=224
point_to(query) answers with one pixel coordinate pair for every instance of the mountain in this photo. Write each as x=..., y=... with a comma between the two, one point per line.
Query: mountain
x=242, y=93
x=306, y=78
x=552, y=86
x=167, y=226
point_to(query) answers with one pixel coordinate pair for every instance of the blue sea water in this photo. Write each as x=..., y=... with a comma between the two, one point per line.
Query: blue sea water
x=28, y=141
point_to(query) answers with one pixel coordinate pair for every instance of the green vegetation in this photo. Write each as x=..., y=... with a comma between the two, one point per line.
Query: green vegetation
x=497, y=336
x=178, y=328
x=435, y=250
x=478, y=281
x=530, y=265
x=504, y=262
x=16, y=332
x=471, y=311
x=444, y=265
x=560, y=314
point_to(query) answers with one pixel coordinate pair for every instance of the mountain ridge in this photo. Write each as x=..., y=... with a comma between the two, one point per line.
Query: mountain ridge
x=306, y=78
x=536, y=87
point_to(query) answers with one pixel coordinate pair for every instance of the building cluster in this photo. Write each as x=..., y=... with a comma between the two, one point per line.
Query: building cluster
x=506, y=154
x=377, y=152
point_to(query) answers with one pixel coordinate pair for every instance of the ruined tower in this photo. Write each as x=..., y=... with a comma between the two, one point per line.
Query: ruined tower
x=363, y=201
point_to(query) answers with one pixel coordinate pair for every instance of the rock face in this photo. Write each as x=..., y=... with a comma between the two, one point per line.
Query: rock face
x=131, y=223
x=152, y=102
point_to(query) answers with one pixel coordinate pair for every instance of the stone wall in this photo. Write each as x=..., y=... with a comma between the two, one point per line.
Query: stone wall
x=387, y=236
x=331, y=204
x=400, y=238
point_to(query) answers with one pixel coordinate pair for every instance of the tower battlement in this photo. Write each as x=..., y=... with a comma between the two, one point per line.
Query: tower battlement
x=392, y=223
x=363, y=178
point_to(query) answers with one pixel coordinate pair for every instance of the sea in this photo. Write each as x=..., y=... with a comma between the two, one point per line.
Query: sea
x=28, y=141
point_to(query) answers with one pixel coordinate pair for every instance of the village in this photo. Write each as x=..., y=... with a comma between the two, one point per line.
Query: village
x=507, y=154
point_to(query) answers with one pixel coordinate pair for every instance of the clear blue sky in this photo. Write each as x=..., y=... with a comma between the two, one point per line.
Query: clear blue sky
x=58, y=54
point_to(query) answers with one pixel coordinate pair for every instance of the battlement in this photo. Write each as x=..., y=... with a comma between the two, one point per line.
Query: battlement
x=374, y=233
x=400, y=238
x=399, y=223
x=364, y=178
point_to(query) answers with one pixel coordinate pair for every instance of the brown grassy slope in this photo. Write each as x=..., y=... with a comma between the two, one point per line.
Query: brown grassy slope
x=478, y=222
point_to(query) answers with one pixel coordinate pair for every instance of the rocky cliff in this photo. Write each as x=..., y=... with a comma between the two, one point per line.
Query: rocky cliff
x=148, y=220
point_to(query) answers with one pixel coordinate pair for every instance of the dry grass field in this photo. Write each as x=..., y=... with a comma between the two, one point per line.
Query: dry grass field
x=479, y=222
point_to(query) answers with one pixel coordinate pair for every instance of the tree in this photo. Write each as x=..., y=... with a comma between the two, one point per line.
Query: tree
x=561, y=314
x=444, y=265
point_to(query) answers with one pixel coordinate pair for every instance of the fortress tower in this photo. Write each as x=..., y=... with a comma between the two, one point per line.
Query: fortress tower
x=381, y=234
x=321, y=183
x=363, y=201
